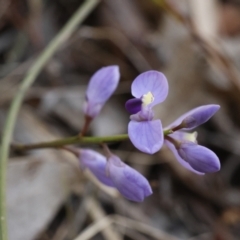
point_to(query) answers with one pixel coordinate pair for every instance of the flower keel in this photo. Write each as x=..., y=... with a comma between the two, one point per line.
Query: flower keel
x=130, y=183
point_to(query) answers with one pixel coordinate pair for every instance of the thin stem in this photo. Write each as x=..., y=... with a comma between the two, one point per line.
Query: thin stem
x=72, y=150
x=87, y=122
x=180, y=126
x=77, y=140
x=71, y=140
x=167, y=132
x=83, y=11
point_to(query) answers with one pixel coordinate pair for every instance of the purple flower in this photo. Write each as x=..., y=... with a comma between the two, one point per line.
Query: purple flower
x=149, y=89
x=114, y=173
x=199, y=158
x=189, y=154
x=130, y=183
x=196, y=117
x=96, y=163
x=100, y=88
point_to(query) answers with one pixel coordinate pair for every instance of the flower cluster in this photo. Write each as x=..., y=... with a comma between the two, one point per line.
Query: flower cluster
x=115, y=173
x=112, y=171
x=146, y=133
x=189, y=154
x=149, y=89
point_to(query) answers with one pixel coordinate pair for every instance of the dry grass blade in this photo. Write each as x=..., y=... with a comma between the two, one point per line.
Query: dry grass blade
x=213, y=55
x=204, y=17
x=97, y=213
x=143, y=227
x=95, y=228
x=122, y=42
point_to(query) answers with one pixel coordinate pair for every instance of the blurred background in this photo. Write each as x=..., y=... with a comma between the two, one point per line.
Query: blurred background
x=196, y=44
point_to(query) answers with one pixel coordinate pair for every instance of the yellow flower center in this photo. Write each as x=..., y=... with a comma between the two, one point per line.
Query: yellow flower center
x=192, y=137
x=147, y=99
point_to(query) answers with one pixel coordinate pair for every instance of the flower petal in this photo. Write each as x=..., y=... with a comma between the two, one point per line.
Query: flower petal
x=182, y=136
x=101, y=86
x=151, y=81
x=92, y=109
x=196, y=116
x=180, y=160
x=133, y=105
x=200, y=158
x=146, y=114
x=130, y=183
x=147, y=136
x=96, y=163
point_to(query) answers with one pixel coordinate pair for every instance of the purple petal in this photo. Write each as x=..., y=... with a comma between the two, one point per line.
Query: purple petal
x=92, y=109
x=146, y=136
x=96, y=163
x=196, y=116
x=180, y=160
x=130, y=183
x=101, y=86
x=146, y=114
x=200, y=158
x=151, y=81
x=134, y=105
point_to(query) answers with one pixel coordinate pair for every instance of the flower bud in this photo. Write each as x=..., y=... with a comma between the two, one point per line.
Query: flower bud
x=130, y=183
x=100, y=88
x=198, y=116
x=199, y=158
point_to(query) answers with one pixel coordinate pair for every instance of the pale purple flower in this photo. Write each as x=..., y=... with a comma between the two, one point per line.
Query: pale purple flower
x=196, y=117
x=149, y=89
x=130, y=183
x=100, y=88
x=183, y=162
x=96, y=163
x=189, y=154
x=199, y=158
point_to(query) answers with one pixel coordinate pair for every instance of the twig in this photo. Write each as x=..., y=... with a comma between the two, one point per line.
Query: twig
x=86, y=125
x=215, y=56
x=120, y=40
x=132, y=234
x=143, y=227
x=96, y=212
x=95, y=228
x=83, y=11
x=106, y=221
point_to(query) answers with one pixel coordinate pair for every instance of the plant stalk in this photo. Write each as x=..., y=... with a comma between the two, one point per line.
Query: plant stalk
x=84, y=10
x=76, y=140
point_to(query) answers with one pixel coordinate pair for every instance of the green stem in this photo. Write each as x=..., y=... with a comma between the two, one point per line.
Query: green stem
x=71, y=140
x=167, y=132
x=83, y=11
x=76, y=140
